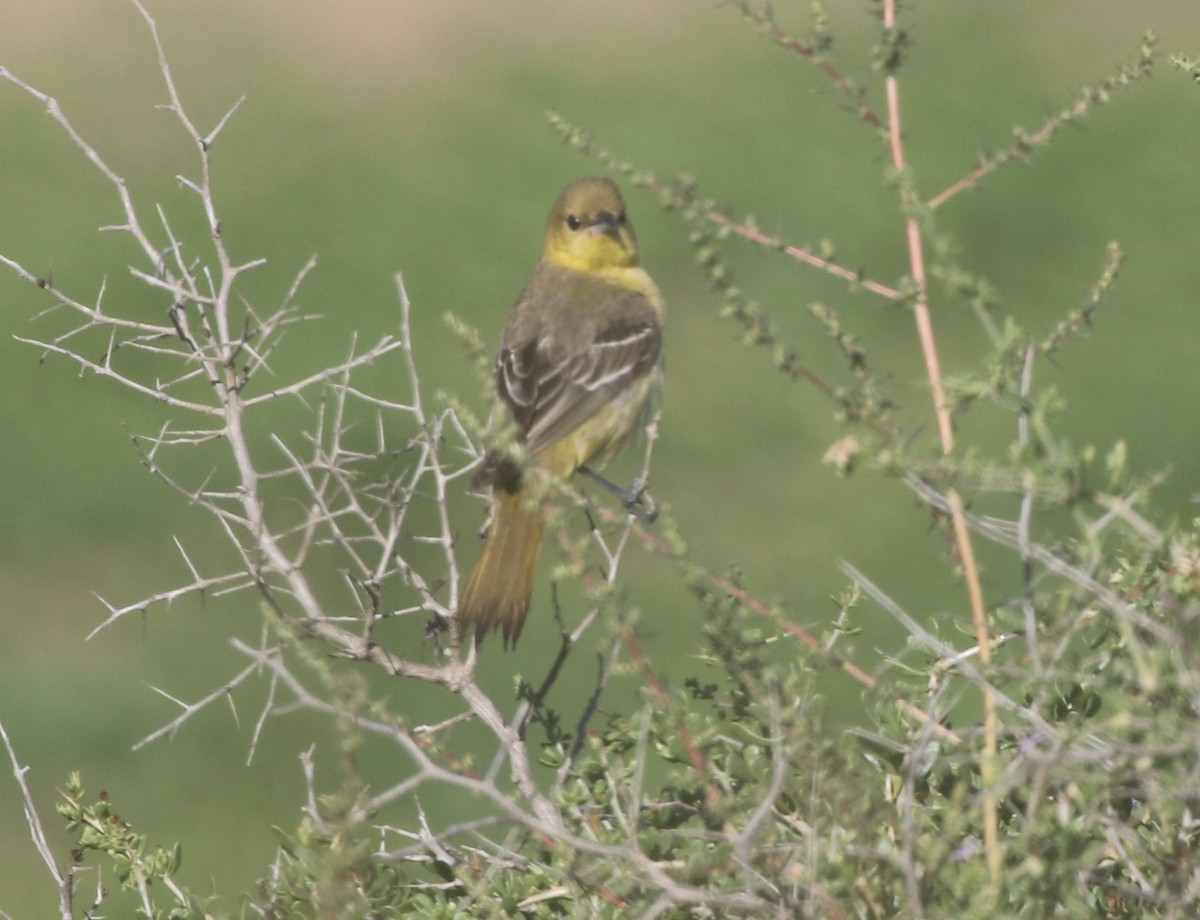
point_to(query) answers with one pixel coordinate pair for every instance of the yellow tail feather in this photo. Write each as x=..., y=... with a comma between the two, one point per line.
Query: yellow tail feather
x=497, y=595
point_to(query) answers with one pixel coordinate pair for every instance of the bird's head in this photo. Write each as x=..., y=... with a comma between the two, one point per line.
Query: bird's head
x=587, y=229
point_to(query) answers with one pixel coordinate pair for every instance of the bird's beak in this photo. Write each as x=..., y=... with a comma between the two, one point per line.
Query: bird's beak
x=606, y=223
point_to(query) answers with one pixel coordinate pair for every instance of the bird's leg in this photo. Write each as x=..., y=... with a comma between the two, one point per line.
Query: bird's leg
x=636, y=499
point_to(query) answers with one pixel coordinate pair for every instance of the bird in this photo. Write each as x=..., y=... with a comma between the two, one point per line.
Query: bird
x=578, y=370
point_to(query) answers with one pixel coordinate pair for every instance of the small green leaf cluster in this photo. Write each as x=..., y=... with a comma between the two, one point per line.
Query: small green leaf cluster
x=136, y=864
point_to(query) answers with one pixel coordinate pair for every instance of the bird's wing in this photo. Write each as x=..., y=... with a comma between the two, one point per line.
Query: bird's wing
x=555, y=380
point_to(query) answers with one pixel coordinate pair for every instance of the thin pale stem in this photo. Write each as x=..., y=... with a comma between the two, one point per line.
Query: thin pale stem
x=962, y=533
x=37, y=832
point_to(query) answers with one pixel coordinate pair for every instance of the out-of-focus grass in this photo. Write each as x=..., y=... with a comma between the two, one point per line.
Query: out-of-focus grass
x=412, y=138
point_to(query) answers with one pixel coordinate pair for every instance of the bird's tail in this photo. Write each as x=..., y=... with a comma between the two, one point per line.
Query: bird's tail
x=498, y=591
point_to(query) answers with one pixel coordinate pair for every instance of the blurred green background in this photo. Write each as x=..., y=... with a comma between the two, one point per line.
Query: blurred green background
x=410, y=136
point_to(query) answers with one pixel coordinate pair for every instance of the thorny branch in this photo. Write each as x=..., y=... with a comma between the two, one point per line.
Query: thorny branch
x=356, y=500
x=34, y=822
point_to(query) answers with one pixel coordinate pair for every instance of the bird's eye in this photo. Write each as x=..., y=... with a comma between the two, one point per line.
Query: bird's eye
x=574, y=222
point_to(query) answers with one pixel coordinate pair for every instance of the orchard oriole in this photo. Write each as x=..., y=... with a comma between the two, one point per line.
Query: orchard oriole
x=579, y=359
